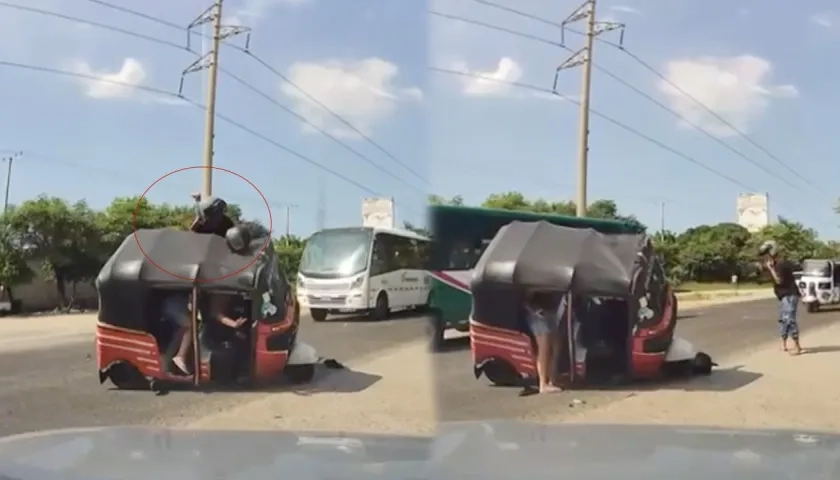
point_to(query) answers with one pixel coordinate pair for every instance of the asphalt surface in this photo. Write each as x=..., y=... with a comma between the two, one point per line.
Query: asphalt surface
x=722, y=331
x=58, y=387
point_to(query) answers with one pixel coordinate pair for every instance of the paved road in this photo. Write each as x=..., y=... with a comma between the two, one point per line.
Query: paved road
x=58, y=387
x=721, y=330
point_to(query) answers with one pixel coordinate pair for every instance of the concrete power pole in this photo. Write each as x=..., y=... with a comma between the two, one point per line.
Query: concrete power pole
x=210, y=61
x=9, y=162
x=321, y=220
x=583, y=57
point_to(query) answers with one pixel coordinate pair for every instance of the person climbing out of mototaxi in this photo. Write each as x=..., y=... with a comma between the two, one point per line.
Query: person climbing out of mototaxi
x=210, y=218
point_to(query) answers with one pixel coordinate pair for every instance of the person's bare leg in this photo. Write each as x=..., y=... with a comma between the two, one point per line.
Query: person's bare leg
x=554, y=373
x=180, y=357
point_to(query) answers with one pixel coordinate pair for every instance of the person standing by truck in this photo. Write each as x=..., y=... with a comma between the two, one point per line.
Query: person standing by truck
x=784, y=286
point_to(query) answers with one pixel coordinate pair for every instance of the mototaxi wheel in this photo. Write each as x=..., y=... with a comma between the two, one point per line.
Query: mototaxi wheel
x=318, y=314
x=125, y=376
x=813, y=307
x=502, y=374
x=300, y=374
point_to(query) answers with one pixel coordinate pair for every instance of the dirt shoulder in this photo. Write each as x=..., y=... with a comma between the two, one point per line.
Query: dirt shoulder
x=391, y=391
x=763, y=389
x=692, y=300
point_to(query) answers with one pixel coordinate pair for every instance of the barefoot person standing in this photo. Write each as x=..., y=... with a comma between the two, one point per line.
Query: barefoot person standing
x=784, y=286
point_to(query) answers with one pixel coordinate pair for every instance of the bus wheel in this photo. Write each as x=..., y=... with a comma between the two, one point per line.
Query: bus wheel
x=318, y=314
x=125, y=376
x=381, y=310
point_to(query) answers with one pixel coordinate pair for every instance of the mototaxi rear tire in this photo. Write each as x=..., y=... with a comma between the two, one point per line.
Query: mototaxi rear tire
x=813, y=307
x=502, y=374
x=300, y=374
x=125, y=376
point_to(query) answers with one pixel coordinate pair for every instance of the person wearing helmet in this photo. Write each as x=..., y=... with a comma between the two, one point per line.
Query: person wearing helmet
x=211, y=216
x=784, y=286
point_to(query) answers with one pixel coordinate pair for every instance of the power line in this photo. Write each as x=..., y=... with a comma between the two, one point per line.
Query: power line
x=218, y=115
x=598, y=114
x=207, y=61
x=627, y=84
x=662, y=77
x=278, y=74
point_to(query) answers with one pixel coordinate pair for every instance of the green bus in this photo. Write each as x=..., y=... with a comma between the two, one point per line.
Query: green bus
x=459, y=236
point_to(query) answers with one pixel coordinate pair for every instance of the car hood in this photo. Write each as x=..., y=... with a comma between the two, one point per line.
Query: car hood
x=484, y=450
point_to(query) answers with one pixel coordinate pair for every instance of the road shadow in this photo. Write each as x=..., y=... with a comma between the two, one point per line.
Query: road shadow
x=821, y=349
x=338, y=381
x=721, y=380
x=685, y=316
x=455, y=345
x=365, y=318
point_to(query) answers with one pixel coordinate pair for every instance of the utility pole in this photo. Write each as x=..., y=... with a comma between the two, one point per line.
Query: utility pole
x=322, y=205
x=583, y=57
x=210, y=61
x=9, y=161
x=289, y=219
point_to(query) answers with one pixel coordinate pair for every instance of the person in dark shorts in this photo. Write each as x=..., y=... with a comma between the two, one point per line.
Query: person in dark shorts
x=543, y=312
x=784, y=286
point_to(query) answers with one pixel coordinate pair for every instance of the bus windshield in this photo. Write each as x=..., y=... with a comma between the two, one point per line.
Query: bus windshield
x=336, y=253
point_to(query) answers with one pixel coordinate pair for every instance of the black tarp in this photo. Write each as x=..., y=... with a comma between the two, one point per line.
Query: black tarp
x=539, y=255
x=199, y=259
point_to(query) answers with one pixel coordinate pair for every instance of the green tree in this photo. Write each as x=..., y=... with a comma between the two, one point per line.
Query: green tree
x=289, y=250
x=14, y=269
x=64, y=237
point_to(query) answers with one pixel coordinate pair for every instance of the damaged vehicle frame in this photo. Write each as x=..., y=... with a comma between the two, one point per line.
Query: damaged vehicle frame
x=135, y=346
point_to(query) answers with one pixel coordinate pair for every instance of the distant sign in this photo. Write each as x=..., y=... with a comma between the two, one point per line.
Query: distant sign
x=753, y=211
x=378, y=212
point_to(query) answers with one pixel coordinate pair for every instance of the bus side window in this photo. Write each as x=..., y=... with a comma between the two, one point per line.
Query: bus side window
x=381, y=255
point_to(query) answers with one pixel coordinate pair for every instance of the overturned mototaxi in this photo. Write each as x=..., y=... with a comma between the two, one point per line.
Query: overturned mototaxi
x=621, y=317
x=135, y=345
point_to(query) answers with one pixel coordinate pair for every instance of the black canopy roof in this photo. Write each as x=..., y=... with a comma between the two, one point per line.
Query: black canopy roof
x=197, y=258
x=539, y=255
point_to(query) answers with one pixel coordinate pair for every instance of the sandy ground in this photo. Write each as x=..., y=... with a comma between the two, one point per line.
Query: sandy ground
x=24, y=333
x=389, y=392
x=690, y=301
x=764, y=389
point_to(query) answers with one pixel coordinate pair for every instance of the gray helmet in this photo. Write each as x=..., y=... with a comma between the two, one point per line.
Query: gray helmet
x=210, y=208
x=769, y=247
x=238, y=238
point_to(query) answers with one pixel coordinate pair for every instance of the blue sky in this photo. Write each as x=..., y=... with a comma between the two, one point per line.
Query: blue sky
x=95, y=141
x=762, y=65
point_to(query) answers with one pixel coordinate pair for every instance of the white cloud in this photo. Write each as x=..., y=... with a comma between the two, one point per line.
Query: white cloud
x=490, y=83
x=254, y=10
x=736, y=88
x=130, y=73
x=362, y=92
x=625, y=9
x=825, y=20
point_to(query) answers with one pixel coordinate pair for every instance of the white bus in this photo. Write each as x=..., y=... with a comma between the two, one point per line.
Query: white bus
x=363, y=269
